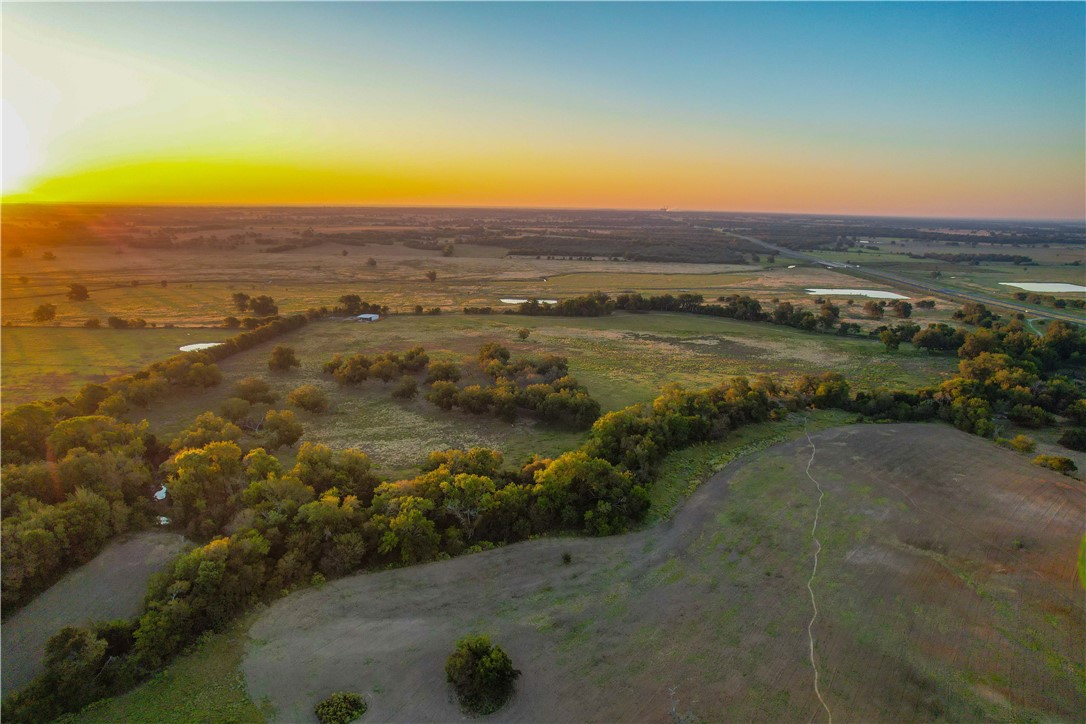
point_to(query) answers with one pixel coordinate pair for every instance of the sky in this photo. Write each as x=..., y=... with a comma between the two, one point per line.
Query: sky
x=927, y=109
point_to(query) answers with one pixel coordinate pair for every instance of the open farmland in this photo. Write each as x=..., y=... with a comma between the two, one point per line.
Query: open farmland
x=130, y=285
x=622, y=359
x=946, y=588
x=42, y=363
x=110, y=586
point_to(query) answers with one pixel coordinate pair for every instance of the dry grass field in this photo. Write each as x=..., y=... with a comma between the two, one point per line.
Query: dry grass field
x=197, y=293
x=946, y=589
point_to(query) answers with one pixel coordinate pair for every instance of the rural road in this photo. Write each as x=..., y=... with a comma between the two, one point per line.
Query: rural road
x=879, y=275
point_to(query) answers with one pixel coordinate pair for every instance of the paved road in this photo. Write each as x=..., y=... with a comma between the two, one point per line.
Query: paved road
x=934, y=288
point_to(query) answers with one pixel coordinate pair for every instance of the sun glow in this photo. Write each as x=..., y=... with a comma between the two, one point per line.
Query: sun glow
x=239, y=104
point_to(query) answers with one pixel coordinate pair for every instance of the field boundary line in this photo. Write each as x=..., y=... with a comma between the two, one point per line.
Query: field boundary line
x=814, y=570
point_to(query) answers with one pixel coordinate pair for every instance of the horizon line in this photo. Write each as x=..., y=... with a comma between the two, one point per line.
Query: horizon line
x=641, y=209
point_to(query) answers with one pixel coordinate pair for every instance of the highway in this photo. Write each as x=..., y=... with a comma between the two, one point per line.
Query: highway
x=919, y=284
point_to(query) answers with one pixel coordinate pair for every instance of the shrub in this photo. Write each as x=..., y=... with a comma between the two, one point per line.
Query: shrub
x=282, y=359
x=281, y=429
x=482, y=674
x=1057, y=463
x=1022, y=443
x=406, y=388
x=45, y=313
x=1074, y=439
x=308, y=397
x=442, y=371
x=235, y=409
x=254, y=390
x=340, y=708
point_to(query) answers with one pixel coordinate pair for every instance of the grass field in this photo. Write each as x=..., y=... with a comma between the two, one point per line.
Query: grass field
x=203, y=686
x=987, y=277
x=41, y=363
x=946, y=589
x=623, y=359
x=198, y=294
x=110, y=586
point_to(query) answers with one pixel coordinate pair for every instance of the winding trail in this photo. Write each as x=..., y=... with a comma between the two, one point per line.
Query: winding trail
x=814, y=570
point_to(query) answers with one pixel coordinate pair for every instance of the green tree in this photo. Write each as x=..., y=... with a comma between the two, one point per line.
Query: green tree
x=207, y=427
x=281, y=429
x=890, y=340
x=384, y=369
x=466, y=498
x=23, y=432
x=241, y=301
x=235, y=409
x=406, y=528
x=406, y=388
x=340, y=708
x=282, y=359
x=78, y=293
x=481, y=674
x=45, y=313
x=254, y=390
x=203, y=484
x=442, y=371
x=309, y=397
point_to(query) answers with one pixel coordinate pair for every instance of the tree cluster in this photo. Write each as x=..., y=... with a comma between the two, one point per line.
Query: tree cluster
x=541, y=386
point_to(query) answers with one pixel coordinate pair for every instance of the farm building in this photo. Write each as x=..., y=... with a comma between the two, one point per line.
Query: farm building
x=367, y=317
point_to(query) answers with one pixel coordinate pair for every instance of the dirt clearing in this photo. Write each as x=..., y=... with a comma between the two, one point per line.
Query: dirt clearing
x=946, y=588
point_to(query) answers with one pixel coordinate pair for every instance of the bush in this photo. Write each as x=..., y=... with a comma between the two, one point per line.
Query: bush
x=442, y=371
x=282, y=359
x=45, y=313
x=482, y=674
x=235, y=409
x=1074, y=439
x=1022, y=443
x=308, y=397
x=254, y=390
x=280, y=429
x=1057, y=463
x=340, y=708
x=406, y=389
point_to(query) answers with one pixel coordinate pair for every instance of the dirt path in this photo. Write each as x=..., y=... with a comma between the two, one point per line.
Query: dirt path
x=814, y=570
x=110, y=586
x=976, y=614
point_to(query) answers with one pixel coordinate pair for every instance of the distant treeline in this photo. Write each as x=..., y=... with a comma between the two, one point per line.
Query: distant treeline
x=974, y=258
x=1050, y=300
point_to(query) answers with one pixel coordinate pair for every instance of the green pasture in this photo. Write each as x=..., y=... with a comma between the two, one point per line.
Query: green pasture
x=622, y=359
x=44, y=362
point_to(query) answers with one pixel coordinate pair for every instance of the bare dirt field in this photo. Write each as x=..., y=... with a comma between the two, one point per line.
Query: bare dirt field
x=946, y=588
x=111, y=586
